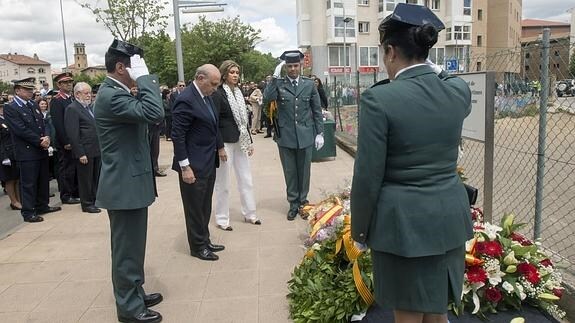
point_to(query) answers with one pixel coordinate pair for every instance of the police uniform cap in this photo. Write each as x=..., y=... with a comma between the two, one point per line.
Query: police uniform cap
x=27, y=83
x=411, y=14
x=63, y=77
x=126, y=48
x=292, y=56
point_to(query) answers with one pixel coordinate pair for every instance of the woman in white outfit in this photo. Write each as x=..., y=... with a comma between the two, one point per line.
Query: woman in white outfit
x=235, y=145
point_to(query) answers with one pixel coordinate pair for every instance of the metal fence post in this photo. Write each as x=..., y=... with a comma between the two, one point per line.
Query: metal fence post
x=357, y=96
x=543, y=99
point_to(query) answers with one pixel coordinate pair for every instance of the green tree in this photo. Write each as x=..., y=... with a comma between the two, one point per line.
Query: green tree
x=215, y=41
x=128, y=19
x=160, y=56
x=256, y=66
x=5, y=87
x=90, y=80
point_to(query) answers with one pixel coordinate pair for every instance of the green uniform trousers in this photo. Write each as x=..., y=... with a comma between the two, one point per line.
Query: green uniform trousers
x=128, y=230
x=296, y=164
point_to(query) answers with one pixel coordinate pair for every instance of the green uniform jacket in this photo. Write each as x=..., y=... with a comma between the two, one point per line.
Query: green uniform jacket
x=299, y=116
x=406, y=197
x=126, y=179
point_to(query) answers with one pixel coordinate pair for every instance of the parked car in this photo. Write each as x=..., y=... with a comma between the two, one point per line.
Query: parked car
x=565, y=87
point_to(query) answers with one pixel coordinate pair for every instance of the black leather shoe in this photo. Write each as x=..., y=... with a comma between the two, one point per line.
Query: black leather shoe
x=148, y=316
x=50, y=209
x=34, y=219
x=153, y=299
x=14, y=207
x=291, y=215
x=71, y=200
x=267, y=136
x=160, y=174
x=205, y=254
x=90, y=209
x=215, y=247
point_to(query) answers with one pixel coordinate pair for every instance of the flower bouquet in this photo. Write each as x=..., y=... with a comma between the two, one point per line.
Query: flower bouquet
x=504, y=270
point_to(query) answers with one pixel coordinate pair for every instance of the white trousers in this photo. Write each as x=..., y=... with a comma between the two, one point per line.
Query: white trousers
x=241, y=165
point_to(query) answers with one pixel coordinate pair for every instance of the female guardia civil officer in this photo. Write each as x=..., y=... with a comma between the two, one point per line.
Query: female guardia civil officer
x=408, y=204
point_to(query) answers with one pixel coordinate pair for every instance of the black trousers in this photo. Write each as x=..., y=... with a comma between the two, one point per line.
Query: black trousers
x=128, y=230
x=34, y=186
x=168, y=130
x=67, y=180
x=88, y=176
x=197, y=200
x=154, y=137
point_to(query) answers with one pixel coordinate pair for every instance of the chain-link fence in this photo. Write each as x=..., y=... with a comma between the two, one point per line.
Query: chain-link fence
x=534, y=149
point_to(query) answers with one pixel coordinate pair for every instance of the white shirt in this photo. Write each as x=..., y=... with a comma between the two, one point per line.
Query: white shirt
x=120, y=83
x=296, y=80
x=408, y=68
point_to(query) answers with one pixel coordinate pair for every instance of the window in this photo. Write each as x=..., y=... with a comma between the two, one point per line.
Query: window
x=337, y=4
x=556, y=53
x=31, y=70
x=479, y=14
x=363, y=2
x=41, y=70
x=437, y=55
x=411, y=1
x=328, y=4
x=340, y=26
x=479, y=40
x=380, y=6
x=526, y=67
x=478, y=66
x=461, y=32
x=363, y=27
x=368, y=56
x=467, y=7
x=336, y=57
x=448, y=33
x=435, y=4
x=390, y=5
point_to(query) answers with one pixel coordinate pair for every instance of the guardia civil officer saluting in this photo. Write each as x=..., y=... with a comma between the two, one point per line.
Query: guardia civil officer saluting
x=126, y=187
x=407, y=202
x=298, y=124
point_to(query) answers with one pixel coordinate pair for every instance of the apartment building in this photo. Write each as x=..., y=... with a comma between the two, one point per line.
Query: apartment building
x=340, y=37
x=14, y=66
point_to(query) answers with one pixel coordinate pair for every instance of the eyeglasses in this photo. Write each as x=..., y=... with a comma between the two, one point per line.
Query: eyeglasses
x=181, y=85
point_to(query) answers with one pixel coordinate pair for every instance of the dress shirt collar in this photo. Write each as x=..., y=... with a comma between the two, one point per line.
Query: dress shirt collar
x=19, y=101
x=408, y=68
x=291, y=80
x=120, y=83
x=199, y=91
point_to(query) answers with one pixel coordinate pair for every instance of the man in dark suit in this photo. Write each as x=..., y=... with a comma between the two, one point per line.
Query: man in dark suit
x=67, y=181
x=194, y=134
x=81, y=129
x=127, y=186
x=31, y=141
x=299, y=126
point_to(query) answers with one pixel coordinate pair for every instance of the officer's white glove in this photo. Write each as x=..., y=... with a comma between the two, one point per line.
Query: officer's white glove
x=137, y=67
x=360, y=246
x=318, y=141
x=278, y=70
x=6, y=162
x=50, y=151
x=436, y=68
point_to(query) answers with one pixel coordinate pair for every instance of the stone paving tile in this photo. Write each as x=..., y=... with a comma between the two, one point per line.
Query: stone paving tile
x=273, y=309
x=189, y=287
x=232, y=284
x=71, y=296
x=24, y=297
x=274, y=281
x=13, y=317
x=226, y=310
x=237, y=260
x=179, y=311
x=10, y=273
x=59, y=315
x=49, y=271
x=99, y=315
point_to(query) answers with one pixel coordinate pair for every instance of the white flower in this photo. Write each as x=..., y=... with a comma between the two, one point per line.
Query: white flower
x=508, y=287
x=316, y=246
x=491, y=230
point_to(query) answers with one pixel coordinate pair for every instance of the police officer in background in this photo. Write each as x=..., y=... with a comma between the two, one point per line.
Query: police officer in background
x=31, y=141
x=67, y=181
x=127, y=184
x=299, y=126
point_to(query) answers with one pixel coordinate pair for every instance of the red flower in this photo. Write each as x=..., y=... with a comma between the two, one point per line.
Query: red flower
x=490, y=248
x=530, y=273
x=520, y=238
x=493, y=295
x=558, y=292
x=546, y=262
x=476, y=214
x=476, y=274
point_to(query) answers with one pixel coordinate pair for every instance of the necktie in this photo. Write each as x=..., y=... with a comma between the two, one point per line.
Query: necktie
x=207, y=101
x=294, y=83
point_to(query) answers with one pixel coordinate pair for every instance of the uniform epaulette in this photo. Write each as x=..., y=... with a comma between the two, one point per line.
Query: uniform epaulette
x=386, y=81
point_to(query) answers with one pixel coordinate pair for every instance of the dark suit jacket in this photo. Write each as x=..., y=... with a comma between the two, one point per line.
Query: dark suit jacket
x=406, y=197
x=228, y=129
x=58, y=107
x=126, y=178
x=81, y=131
x=27, y=126
x=194, y=133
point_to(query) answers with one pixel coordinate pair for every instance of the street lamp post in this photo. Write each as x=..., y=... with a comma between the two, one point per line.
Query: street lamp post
x=193, y=7
x=345, y=21
x=64, y=36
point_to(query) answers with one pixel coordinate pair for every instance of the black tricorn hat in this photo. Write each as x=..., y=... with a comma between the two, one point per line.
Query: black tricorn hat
x=292, y=56
x=27, y=83
x=411, y=14
x=126, y=48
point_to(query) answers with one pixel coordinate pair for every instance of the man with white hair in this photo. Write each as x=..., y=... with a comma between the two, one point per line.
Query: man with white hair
x=81, y=130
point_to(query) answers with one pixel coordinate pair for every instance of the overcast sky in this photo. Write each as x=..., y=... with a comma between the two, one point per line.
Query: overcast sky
x=33, y=26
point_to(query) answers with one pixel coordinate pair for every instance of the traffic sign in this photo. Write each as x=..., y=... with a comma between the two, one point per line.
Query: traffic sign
x=451, y=65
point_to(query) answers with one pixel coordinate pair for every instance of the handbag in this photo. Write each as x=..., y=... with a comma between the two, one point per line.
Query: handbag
x=472, y=193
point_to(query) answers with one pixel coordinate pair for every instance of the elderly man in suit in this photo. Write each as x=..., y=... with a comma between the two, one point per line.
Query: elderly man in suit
x=299, y=125
x=194, y=134
x=31, y=141
x=67, y=181
x=81, y=129
x=127, y=186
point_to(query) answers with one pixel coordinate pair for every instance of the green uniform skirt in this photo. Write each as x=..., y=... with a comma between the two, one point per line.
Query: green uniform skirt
x=421, y=284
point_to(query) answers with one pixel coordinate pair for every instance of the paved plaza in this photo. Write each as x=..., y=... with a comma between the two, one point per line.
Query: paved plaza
x=59, y=270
